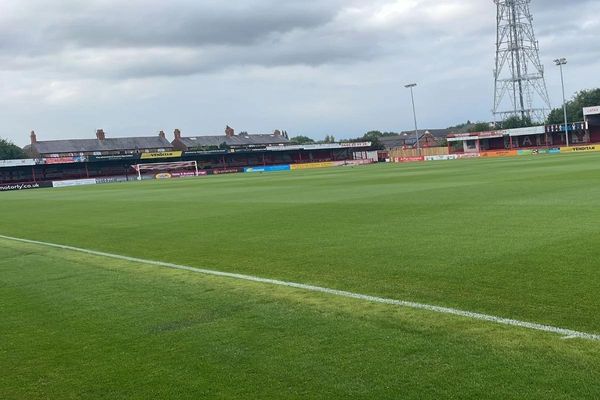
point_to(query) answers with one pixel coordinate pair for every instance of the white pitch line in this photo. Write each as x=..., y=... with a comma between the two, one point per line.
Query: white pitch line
x=565, y=333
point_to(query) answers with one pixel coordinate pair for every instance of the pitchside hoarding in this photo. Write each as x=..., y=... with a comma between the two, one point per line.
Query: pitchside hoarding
x=499, y=153
x=409, y=159
x=580, y=149
x=268, y=168
x=5, y=187
x=74, y=182
x=326, y=164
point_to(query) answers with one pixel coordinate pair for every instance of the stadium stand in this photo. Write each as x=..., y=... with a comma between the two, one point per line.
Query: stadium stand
x=119, y=159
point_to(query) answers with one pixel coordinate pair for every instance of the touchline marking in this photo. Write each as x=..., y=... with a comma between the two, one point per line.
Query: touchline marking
x=565, y=333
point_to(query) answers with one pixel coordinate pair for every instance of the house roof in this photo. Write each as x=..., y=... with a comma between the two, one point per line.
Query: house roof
x=238, y=140
x=407, y=138
x=93, y=145
x=395, y=141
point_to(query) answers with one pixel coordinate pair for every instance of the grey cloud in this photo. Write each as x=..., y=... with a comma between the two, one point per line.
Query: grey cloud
x=191, y=25
x=210, y=35
x=101, y=24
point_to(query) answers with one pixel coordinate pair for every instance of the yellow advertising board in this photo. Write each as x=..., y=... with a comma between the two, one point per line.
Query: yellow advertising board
x=164, y=154
x=499, y=153
x=313, y=165
x=586, y=148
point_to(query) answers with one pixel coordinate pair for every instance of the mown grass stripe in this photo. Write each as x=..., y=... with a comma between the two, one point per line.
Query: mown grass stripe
x=566, y=333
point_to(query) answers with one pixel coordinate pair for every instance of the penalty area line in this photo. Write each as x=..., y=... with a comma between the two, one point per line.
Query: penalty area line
x=565, y=333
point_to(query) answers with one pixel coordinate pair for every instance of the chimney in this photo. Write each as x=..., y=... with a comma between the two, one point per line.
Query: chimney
x=177, y=134
x=162, y=134
x=100, y=134
x=229, y=132
x=33, y=137
x=277, y=132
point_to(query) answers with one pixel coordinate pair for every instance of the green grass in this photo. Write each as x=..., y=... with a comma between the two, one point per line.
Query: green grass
x=510, y=237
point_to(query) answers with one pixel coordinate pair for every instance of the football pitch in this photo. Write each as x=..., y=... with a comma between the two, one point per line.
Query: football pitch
x=512, y=239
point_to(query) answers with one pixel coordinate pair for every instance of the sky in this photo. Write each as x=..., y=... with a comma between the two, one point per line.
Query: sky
x=310, y=67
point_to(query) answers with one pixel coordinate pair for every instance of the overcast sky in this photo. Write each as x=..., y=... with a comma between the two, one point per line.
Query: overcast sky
x=68, y=67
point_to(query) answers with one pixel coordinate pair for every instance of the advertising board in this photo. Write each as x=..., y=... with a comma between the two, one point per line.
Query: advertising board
x=321, y=146
x=6, y=187
x=527, y=152
x=580, y=149
x=204, y=152
x=223, y=171
x=17, y=163
x=73, y=182
x=313, y=165
x=112, y=179
x=351, y=163
x=114, y=157
x=164, y=154
x=268, y=168
x=577, y=126
x=468, y=155
x=409, y=159
x=532, y=130
x=443, y=157
x=499, y=153
x=63, y=160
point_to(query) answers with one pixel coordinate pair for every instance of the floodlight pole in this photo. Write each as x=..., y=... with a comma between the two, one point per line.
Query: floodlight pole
x=560, y=62
x=412, y=97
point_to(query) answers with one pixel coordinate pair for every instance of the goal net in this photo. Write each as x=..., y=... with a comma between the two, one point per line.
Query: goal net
x=166, y=170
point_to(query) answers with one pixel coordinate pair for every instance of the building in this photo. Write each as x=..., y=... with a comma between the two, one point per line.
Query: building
x=543, y=136
x=98, y=147
x=229, y=141
x=407, y=140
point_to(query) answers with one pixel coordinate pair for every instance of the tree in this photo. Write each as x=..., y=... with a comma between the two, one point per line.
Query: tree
x=478, y=127
x=329, y=139
x=10, y=151
x=301, y=140
x=575, y=106
x=470, y=127
x=372, y=136
x=516, y=122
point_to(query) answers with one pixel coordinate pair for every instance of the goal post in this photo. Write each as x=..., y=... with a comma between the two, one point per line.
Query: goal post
x=168, y=169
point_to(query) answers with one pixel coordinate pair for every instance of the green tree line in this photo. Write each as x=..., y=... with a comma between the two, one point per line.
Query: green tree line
x=10, y=151
x=575, y=106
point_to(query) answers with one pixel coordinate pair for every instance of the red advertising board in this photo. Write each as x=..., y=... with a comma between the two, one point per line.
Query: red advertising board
x=63, y=160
